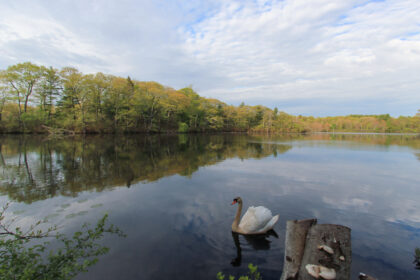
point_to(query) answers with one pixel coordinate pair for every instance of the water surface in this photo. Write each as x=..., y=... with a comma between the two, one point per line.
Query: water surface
x=171, y=195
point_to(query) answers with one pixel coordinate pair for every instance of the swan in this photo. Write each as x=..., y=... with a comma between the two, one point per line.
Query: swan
x=256, y=220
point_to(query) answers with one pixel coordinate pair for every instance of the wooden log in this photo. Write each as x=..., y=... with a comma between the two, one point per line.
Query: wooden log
x=302, y=248
x=336, y=237
x=296, y=232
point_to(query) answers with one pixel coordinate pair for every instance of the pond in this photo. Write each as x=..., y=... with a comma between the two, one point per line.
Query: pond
x=171, y=196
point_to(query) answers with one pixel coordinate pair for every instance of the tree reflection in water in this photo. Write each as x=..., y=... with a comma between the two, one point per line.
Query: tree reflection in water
x=33, y=168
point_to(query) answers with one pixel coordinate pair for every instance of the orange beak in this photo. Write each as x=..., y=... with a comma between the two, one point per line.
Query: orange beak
x=234, y=202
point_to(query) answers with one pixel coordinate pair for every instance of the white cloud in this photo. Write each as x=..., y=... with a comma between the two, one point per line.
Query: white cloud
x=338, y=50
x=45, y=41
x=294, y=54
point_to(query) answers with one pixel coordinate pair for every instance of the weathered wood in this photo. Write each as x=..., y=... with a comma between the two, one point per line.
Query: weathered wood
x=336, y=237
x=296, y=232
x=302, y=248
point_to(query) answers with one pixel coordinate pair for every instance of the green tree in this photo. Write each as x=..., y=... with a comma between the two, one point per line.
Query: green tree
x=116, y=103
x=103, y=103
x=21, y=79
x=194, y=110
x=275, y=112
x=99, y=86
x=74, y=97
x=3, y=99
x=49, y=90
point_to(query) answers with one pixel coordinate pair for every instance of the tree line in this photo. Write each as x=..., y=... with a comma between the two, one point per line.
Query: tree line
x=34, y=99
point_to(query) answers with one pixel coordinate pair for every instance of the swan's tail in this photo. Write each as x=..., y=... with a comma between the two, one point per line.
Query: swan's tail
x=270, y=224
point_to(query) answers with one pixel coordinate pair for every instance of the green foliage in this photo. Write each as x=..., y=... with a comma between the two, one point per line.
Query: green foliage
x=99, y=103
x=24, y=258
x=182, y=127
x=417, y=258
x=253, y=274
x=417, y=253
x=33, y=120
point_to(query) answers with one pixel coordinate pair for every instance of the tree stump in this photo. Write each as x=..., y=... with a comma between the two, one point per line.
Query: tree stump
x=303, y=239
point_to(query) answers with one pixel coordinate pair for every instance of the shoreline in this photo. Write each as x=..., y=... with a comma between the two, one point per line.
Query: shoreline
x=213, y=132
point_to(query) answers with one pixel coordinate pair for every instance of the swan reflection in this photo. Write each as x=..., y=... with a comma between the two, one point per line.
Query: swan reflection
x=257, y=242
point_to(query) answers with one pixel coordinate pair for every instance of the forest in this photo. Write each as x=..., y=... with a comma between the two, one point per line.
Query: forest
x=39, y=99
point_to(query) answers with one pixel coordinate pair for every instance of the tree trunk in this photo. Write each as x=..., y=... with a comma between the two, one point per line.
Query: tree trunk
x=115, y=119
x=83, y=118
x=27, y=98
x=19, y=107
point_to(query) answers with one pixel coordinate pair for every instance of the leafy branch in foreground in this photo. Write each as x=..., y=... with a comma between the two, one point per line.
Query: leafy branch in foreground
x=17, y=233
x=21, y=259
x=253, y=274
x=417, y=258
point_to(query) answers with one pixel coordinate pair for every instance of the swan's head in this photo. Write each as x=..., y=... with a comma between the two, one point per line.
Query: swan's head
x=237, y=200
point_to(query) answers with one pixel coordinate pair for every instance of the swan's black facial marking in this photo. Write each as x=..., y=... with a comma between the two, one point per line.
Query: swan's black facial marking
x=235, y=200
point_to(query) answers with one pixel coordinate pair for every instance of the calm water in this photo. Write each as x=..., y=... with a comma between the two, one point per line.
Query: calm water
x=171, y=195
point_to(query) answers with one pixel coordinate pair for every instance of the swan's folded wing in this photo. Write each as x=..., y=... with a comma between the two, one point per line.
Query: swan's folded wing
x=270, y=224
x=255, y=219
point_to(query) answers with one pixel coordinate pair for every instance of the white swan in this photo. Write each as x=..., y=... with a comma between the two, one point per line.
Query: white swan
x=256, y=220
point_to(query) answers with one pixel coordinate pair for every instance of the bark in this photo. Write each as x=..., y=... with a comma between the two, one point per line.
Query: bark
x=19, y=107
x=28, y=93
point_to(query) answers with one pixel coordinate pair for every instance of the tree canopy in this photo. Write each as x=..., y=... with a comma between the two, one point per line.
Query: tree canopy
x=33, y=97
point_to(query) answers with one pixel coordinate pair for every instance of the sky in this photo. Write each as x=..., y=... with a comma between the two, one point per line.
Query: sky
x=308, y=57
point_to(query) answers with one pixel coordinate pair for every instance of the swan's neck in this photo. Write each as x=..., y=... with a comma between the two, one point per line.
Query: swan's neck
x=235, y=225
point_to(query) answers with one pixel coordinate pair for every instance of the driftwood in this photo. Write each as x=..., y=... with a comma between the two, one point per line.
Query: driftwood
x=303, y=239
x=59, y=131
